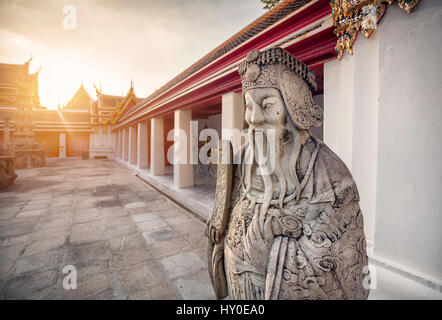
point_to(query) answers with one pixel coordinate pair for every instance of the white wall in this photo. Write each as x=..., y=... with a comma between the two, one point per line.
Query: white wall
x=350, y=120
x=409, y=206
x=102, y=144
x=382, y=116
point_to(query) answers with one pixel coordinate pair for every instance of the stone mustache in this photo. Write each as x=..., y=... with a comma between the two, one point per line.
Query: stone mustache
x=296, y=232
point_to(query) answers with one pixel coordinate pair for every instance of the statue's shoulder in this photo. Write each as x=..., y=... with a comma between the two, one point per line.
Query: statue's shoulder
x=330, y=167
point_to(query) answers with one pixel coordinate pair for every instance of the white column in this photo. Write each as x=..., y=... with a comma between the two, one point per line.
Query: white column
x=120, y=144
x=232, y=111
x=142, y=153
x=126, y=144
x=232, y=117
x=182, y=169
x=157, y=146
x=62, y=146
x=133, y=144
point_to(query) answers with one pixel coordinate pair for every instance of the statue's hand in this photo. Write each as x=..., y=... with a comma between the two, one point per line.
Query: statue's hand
x=257, y=243
x=212, y=232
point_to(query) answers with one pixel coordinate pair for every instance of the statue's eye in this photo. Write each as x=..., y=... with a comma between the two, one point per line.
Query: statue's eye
x=266, y=103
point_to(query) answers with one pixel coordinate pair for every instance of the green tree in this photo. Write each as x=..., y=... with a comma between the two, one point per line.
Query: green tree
x=269, y=4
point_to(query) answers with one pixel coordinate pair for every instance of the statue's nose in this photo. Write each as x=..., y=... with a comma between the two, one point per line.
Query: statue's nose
x=257, y=114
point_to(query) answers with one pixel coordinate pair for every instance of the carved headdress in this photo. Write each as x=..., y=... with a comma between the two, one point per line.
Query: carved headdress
x=276, y=68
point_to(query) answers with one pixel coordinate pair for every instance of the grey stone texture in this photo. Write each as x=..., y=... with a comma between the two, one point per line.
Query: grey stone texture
x=125, y=239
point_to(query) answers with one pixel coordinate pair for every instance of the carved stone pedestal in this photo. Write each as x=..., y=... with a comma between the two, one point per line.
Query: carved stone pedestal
x=7, y=173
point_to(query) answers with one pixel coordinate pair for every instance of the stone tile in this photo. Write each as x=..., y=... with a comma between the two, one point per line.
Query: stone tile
x=20, y=287
x=92, y=269
x=169, y=248
x=195, y=286
x=93, y=226
x=116, y=221
x=81, y=237
x=182, y=264
x=53, y=223
x=86, y=217
x=85, y=204
x=6, y=269
x=113, y=212
x=50, y=233
x=162, y=204
x=126, y=242
x=120, y=231
x=134, y=205
x=49, y=293
x=140, y=210
x=159, y=235
x=8, y=215
x=36, y=204
x=151, y=225
x=61, y=202
x=196, y=240
x=45, y=245
x=57, y=214
x=9, y=209
x=193, y=227
x=92, y=288
x=169, y=213
x=183, y=218
x=122, y=259
x=15, y=230
x=12, y=241
x=108, y=203
x=10, y=253
x=30, y=213
x=86, y=211
x=140, y=277
x=87, y=253
x=145, y=217
x=158, y=292
x=41, y=261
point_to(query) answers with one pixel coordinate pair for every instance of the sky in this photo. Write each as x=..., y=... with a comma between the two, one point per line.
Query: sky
x=112, y=41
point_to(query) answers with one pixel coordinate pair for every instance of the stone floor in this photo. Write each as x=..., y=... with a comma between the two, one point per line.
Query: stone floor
x=199, y=198
x=125, y=239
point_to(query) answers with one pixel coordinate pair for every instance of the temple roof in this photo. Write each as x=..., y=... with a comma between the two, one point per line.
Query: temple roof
x=17, y=85
x=11, y=74
x=107, y=100
x=80, y=101
x=129, y=101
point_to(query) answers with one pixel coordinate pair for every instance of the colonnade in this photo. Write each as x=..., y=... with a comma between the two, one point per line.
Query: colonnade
x=142, y=144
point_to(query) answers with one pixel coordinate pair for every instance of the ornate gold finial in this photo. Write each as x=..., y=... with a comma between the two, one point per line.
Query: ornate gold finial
x=352, y=16
x=29, y=60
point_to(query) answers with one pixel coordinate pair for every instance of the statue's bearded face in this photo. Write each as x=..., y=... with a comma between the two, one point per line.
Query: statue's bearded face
x=266, y=114
x=264, y=108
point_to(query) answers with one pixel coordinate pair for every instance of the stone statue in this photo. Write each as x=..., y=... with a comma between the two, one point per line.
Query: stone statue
x=296, y=232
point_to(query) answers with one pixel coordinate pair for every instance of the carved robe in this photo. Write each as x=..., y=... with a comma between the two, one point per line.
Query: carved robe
x=317, y=249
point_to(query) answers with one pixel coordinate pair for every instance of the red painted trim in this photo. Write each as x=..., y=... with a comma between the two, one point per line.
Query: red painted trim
x=312, y=50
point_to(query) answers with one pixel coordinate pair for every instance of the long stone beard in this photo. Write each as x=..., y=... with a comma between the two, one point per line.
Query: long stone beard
x=260, y=155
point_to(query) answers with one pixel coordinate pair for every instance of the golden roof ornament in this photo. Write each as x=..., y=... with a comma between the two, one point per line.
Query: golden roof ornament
x=352, y=16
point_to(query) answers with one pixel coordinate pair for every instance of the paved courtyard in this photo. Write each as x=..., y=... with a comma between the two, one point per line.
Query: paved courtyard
x=125, y=239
